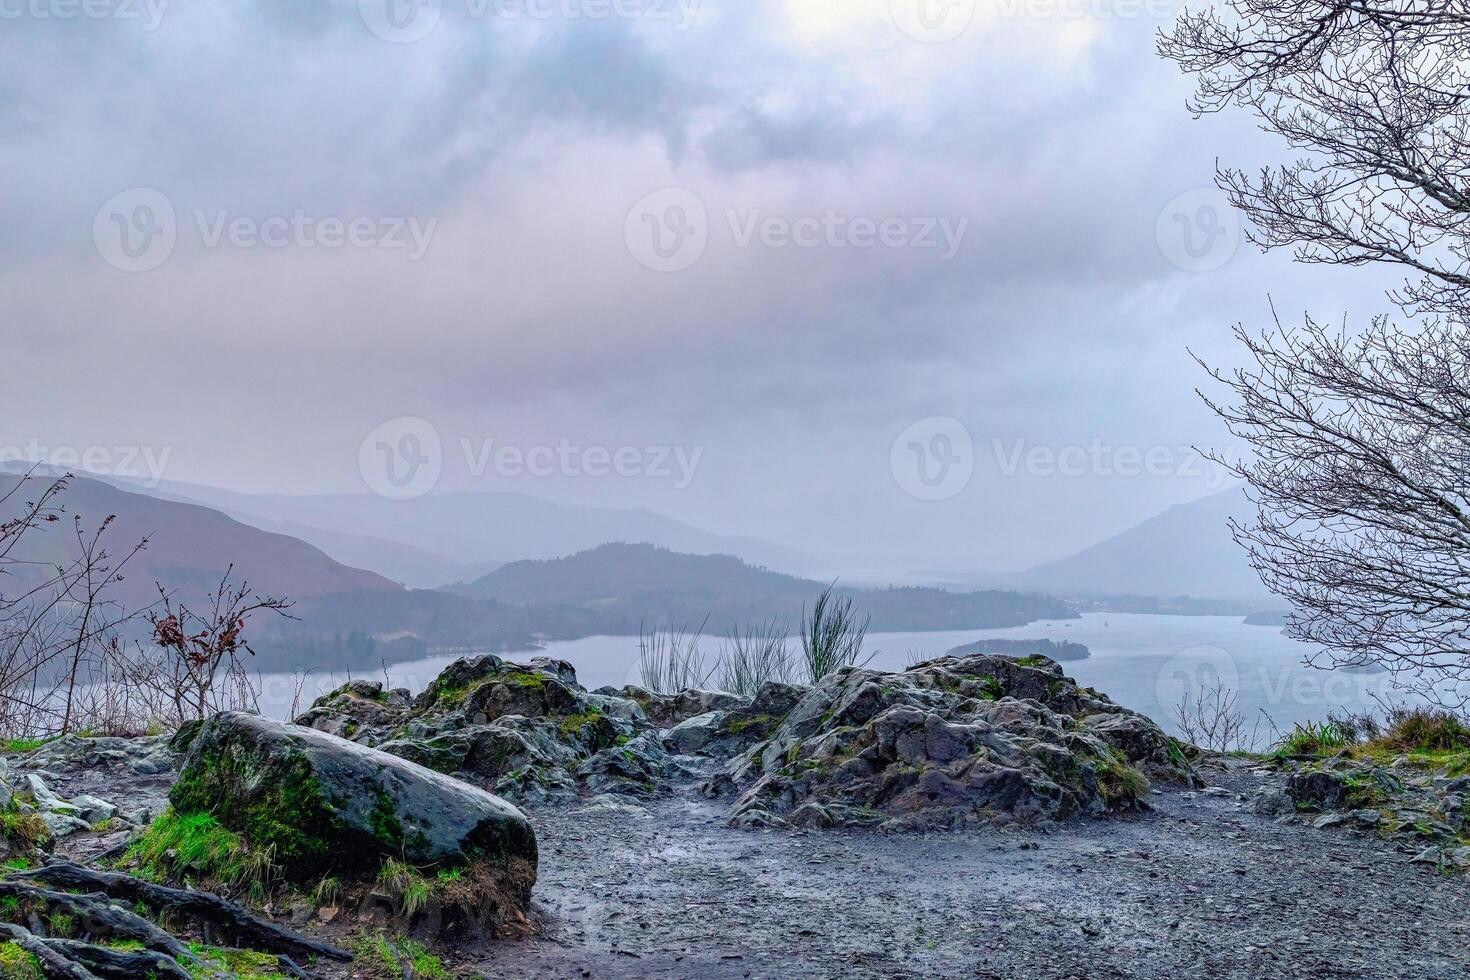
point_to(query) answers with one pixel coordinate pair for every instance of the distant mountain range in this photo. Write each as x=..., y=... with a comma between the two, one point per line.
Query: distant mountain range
x=342, y=615
x=350, y=616
x=189, y=547
x=1185, y=551
x=633, y=583
x=447, y=538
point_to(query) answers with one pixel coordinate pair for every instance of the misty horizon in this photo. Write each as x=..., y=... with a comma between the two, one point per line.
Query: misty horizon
x=803, y=273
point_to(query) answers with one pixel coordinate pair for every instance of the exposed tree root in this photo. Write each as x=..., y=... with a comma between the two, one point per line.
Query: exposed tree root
x=226, y=916
x=120, y=964
x=56, y=965
x=99, y=914
x=95, y=915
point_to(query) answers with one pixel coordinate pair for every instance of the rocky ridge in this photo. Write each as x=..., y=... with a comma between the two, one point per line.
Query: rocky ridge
x=1416, y=805
x=981, y=738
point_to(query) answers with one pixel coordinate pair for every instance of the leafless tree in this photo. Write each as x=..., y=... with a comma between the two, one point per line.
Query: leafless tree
x=1373, y=93
x=198, y=658
x=1208, y=716
x=1362, y=442
x=1361, y=474
x=66, y=659
x=58, y=627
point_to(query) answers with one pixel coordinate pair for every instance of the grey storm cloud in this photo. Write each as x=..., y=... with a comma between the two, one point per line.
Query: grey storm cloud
x=526, y=142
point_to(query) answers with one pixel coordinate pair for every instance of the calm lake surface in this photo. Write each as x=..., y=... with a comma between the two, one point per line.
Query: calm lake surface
x=1147, y=663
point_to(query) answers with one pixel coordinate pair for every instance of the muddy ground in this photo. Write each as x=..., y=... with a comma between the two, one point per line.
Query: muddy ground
x=1200, y=887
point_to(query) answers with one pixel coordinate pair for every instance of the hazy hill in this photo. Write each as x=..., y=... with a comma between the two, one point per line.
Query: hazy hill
x=468, y=531
x=630, y=583
x=189, y=546
x=618, y=572
x=1185, y=551
x=342, y=615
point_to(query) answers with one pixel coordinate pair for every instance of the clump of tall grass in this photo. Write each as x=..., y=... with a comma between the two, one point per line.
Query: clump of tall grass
x=1403, y=729
x=405, y=882
x=670, y=660
x=1424, y=730
x=753, y=655
x=832, y=635
x=1313, y=739
x=197, y=846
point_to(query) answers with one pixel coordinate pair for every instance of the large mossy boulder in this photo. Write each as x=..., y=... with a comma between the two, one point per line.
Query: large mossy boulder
x=328, y=806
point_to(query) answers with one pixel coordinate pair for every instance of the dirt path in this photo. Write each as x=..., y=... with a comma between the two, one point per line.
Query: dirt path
x=1201, y=887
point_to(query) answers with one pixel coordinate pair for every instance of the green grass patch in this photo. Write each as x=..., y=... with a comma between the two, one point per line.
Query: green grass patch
x=1312, y=739
x=392, y=959
x=1424, y=730
x=17, y=964
x=24, y=830
x=573, y=724
x=738, y=726
x=21, y=746
x=196, y=845
x=407, y=884
x=1117, y=781
x=991, y=689
x=242, y=964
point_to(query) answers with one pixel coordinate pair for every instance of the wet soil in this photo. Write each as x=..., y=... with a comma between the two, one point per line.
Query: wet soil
x=1199, y=887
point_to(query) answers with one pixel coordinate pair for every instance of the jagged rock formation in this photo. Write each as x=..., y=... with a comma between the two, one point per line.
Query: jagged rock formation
x=531, y=733
x=1420, y=808
x=953, y=740
x=950, y=741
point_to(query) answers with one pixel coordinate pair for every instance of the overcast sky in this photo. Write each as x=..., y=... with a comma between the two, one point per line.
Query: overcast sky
x=909, y=292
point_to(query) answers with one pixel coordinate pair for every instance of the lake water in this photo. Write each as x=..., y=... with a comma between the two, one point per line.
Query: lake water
x=1147, y=663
